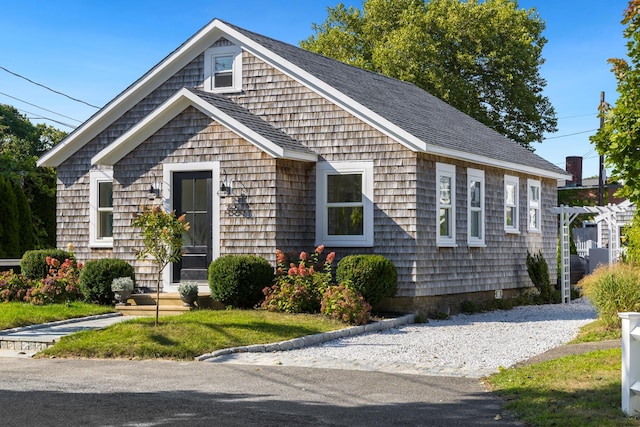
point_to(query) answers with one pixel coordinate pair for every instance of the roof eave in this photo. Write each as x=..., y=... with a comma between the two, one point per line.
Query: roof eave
x=128, y=141
x=132, y=95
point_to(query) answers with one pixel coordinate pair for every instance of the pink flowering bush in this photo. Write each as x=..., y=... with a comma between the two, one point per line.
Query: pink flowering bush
x=345, y=304
x=60, y=285
x=13, y=286
x=299, y=283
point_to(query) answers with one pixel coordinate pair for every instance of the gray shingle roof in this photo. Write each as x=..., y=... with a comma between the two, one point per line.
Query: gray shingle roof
x=252, y=121
x=409, y=107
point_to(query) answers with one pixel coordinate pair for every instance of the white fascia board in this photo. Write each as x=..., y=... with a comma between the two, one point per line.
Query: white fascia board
x=128, y=141
x=132, y=95
x=243, y=131
x=366, y=115
x=488, y=161
x=146, y=127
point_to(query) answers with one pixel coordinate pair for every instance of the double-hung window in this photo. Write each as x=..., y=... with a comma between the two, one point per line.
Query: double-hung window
x=344, y=204
x=511, y=208
x=445, y=204
x=101, y=208
x=534, y=221
x=475, y=207
x=223, y=69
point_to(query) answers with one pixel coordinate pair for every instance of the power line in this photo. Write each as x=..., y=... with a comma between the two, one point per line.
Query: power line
x=48, y=88
x=578, y=115
x=569, y=134
x=38, y=116
x=42, y=108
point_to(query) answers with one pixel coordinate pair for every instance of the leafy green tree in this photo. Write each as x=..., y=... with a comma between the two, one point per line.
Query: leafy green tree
x=619, y=138
x=481, y=57
x=21, y=143
x=162, y=237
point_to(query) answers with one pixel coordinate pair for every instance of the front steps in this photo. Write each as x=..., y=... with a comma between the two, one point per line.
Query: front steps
x=170, y=304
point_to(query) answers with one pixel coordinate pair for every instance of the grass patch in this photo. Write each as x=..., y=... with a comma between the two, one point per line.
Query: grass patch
x=189, y=335
x=579, y=390
x=597, y=331
x=15, y=314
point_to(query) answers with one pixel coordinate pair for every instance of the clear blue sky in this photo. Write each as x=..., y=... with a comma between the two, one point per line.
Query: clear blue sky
x=94, y=50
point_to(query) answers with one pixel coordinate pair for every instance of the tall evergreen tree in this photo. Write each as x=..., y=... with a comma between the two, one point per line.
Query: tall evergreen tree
x=20, y=145
x=9, y=233
x=25, y=222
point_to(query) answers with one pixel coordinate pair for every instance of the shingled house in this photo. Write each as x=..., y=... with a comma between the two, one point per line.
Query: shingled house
x=264, y=145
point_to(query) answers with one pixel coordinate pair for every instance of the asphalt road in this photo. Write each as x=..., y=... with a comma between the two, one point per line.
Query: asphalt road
x=64, y=392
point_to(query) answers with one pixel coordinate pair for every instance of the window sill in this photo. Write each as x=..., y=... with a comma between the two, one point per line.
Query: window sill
x=343, y=244
x=446, y=244
x=101, y=245
x=514, y=232
x=535, y=231
x=477, y=245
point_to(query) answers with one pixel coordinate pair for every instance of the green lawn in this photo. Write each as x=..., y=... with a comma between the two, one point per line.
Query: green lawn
x=15, y=314
x=189, y=335
x=578, y=390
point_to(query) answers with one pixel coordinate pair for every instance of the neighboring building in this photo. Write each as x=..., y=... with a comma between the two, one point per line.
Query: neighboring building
x=311, y=151
x=579, y=191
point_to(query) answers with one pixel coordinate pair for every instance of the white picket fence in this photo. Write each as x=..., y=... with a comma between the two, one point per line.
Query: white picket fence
x=630, y=363
x=583, y=247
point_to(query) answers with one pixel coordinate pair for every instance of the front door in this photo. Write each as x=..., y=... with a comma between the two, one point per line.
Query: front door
x=192, y=197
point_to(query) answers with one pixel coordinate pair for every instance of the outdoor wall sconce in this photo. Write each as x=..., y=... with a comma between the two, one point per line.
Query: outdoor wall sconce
x=154, y=192
x=226, y=187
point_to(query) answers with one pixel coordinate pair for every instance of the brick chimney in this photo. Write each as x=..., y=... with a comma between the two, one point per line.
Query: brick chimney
x=574, y=167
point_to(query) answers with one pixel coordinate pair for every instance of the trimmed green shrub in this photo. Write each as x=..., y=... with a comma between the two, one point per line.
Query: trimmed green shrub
x=345, y=304
x=539, y=273
x=373, y=276
x=238, y=280
x=613, y=289
x=97, y=275
x=33, y=264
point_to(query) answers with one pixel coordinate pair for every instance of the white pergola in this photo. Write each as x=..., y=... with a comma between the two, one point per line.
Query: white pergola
x=567, y=215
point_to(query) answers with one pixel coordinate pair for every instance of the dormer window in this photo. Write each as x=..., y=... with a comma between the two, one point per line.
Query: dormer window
x=223, y=69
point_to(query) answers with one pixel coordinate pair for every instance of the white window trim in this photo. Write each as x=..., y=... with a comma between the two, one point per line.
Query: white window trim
x=476, y=175
x=209, y=56
x=534, y=205
x=168, y=169
x=443, y=169
x=323, y=170
x=515, y=181
x=95, y=178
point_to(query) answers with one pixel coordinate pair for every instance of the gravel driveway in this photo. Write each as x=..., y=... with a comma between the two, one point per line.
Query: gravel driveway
x=464, y=345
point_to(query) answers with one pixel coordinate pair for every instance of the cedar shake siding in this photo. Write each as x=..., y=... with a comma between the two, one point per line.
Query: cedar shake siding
x=400, y=129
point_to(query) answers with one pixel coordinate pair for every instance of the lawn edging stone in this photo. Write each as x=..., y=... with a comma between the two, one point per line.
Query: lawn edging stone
x=315, y=339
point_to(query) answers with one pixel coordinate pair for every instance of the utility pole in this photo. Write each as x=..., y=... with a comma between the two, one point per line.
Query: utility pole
x=601, y=175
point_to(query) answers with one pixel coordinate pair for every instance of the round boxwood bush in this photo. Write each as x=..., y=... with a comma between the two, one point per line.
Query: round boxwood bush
x=374, y=276
x=238, y=280
x=97, y=275
x=33, y=264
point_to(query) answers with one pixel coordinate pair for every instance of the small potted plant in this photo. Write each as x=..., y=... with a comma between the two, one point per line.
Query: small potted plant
x=122, y=288
x=188, y=293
